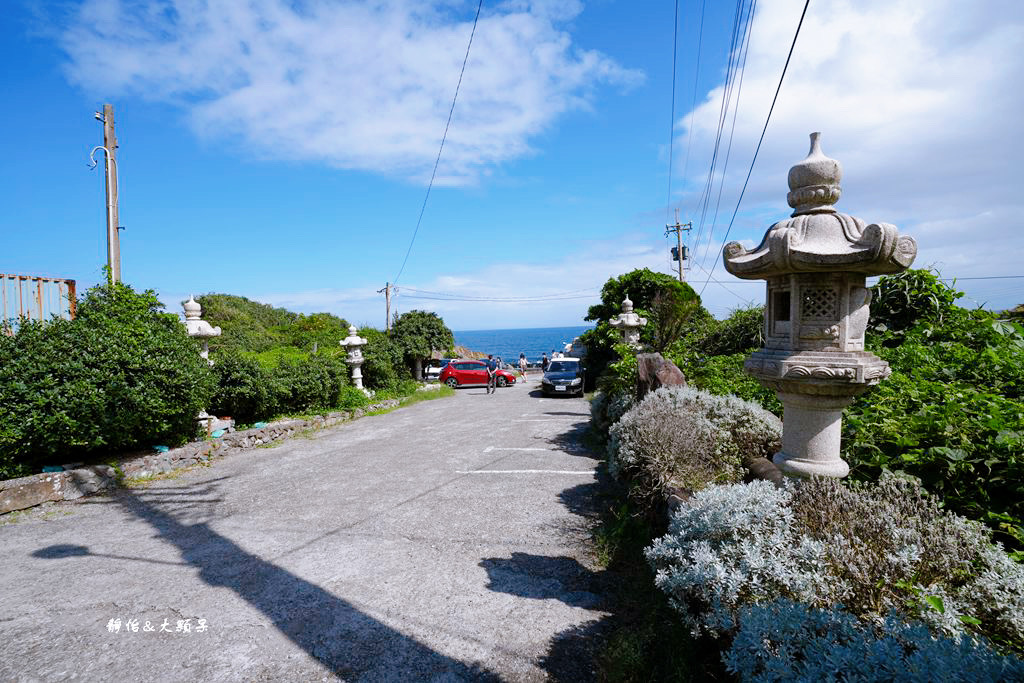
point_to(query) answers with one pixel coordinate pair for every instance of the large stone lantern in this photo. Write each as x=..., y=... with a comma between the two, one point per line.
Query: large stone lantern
x=629, y=322
x=354, y=344
x=199, y=328
x=815, y=264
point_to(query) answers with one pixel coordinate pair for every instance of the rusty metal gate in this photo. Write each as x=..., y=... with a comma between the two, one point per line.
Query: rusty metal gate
x=35, y=298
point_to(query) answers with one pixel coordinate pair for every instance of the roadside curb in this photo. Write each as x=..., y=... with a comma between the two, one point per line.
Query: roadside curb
x=36, y=489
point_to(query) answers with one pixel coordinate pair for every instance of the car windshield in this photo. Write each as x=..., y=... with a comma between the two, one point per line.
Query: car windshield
x=563, y=366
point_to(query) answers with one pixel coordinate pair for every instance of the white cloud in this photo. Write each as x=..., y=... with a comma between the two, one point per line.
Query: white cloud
x=363, y=84
x=921, y=104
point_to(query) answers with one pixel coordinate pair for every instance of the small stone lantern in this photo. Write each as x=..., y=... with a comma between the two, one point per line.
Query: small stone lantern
x=815, y=264
x=353, y=343
x=199, y=328
x=629, y=322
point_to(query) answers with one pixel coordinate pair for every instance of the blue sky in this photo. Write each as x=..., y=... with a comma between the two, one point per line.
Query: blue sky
x=281, y=150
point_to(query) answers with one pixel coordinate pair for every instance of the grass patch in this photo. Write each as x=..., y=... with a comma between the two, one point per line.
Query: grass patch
x=647, y=641
x=145, y=480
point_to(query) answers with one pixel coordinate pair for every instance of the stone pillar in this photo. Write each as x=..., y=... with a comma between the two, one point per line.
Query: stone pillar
x=815, y=264
x=198, y=328
x=629, y=322
x=354, y=344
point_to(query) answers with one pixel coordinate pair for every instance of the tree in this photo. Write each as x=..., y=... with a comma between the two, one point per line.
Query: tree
x=671, y=306
x=418, y=334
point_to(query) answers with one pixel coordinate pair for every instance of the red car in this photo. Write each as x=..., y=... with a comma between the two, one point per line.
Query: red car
x=460, y=373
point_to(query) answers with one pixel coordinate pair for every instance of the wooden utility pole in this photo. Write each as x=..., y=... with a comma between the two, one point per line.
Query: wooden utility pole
x=680, y=254
x=387, y=303
x=113, y=220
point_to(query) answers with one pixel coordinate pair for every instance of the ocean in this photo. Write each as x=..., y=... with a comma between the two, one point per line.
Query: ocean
x=508, y=344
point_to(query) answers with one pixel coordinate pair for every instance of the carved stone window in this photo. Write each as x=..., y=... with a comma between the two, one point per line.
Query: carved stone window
x=819, y=303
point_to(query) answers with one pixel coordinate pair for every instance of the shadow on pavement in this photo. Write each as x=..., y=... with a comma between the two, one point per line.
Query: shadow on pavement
x=329, y=629
x=543, y=578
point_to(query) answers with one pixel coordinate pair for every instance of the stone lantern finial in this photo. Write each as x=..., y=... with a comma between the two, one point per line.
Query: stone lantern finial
x=814, y=182
x=815, y=264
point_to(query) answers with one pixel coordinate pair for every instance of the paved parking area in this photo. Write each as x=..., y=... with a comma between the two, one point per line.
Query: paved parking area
x=444, y=541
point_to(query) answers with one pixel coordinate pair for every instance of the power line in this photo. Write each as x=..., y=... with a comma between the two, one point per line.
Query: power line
x=763, y=131
x=696, y=76
x=744, y=48
x=499, y=300
x=516, y=298
x=443, y=138
x=672, y=117
x=736, y=42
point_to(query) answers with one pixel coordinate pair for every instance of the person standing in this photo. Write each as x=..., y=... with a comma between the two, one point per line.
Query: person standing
x=492, y=373
x=543, y=362
x=522, y=365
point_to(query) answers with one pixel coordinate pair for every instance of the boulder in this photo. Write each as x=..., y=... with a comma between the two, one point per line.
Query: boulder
x=654, y=371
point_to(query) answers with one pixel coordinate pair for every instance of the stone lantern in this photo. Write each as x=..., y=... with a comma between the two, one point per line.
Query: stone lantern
x=815, y=264
x=199, y=328
x=354, y=344
x=629, y=322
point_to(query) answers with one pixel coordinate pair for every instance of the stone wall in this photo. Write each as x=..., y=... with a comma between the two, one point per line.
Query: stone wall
x=26, y=492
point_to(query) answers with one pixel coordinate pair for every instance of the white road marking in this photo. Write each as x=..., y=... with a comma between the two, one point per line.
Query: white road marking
x=524, y=471
x=495, y=448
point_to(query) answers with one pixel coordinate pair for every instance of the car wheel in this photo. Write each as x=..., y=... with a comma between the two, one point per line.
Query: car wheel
x=452, y=382
x=502, y=382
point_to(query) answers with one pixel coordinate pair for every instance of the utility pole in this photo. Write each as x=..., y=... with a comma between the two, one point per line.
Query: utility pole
x=387, y=303
x=680, y=251
x=113, y=224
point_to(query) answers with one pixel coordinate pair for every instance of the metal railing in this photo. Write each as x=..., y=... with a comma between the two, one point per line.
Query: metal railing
x=34, y=298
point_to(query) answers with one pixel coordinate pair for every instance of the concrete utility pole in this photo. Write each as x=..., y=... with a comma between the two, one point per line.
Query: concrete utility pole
x=680, y=250
x=113, y=224
x=387, y=303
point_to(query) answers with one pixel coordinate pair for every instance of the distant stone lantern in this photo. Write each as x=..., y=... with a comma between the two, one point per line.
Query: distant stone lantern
x=815, y=264
x=198, y=328
x=354, y=344
x=629, y=322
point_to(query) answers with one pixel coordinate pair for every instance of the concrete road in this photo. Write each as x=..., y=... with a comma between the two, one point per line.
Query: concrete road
x=444, y=541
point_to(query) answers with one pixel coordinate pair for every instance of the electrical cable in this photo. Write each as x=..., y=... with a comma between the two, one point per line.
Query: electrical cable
x=730, y=79
x=693, y=105
x=745, y=49
x=763, y=131
x=672, y=117
x=441, y=148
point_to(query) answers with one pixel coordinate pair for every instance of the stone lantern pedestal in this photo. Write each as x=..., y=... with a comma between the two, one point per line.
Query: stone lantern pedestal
x=629, y=322
x=815, y=264
x=354, y=344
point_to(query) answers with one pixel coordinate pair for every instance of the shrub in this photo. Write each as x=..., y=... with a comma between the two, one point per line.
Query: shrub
x=785, y=640
x=313, y=384
x=383, y=366
x=679, y=437
x=902, y=301
x=731, y=546
x=724, y=376
x=352, y=398
x=245, y=389
x=607, y=408
x=881, y=549
x=121, y=375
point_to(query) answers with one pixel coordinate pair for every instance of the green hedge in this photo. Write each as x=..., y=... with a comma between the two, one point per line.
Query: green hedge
x=122, y=375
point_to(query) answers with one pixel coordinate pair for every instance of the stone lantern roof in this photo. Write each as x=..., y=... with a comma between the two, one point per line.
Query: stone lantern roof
x=195, y=326
x=817, y=238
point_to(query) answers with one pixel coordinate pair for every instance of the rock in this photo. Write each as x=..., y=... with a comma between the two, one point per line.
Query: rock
x=763, y=468
x=653, y=371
